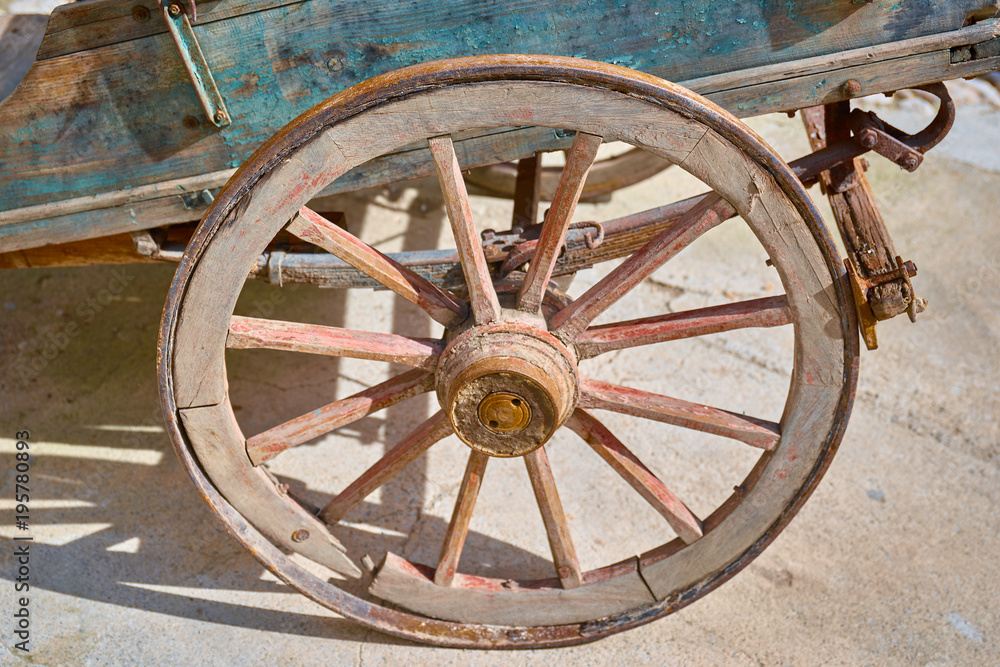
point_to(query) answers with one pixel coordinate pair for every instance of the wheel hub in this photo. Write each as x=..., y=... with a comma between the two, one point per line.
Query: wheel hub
x=506, y=389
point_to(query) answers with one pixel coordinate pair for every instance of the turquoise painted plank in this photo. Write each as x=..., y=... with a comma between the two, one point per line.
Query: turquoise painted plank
x=125, y=115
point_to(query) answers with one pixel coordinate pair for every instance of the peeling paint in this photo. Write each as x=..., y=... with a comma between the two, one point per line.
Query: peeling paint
x=112, y=124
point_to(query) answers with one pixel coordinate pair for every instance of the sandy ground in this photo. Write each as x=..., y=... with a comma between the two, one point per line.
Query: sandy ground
x=892, y=561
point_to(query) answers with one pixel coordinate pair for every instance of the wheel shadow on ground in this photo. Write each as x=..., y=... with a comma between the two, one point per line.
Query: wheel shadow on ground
x=113, y=514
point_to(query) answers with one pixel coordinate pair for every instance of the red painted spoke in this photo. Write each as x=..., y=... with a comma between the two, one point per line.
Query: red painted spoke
x=687, y=526
x=272, y=442
x=638, y=403
x=703, y=216
x=579, y=159
x=439, y=304
x=768, y=312
x=556, y=527
x=397, y=458
x=251, y=332
x=454, y=539
x=482, y=295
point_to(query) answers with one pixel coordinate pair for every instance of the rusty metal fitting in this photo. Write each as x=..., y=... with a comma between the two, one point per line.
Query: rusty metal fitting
x=868, y=138
x=851, y=88
x=506, y=388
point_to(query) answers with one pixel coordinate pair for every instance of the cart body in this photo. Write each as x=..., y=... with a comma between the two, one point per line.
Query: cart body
x=106, y=133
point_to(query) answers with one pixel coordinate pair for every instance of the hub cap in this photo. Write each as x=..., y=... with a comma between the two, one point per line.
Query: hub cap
x=506, y=389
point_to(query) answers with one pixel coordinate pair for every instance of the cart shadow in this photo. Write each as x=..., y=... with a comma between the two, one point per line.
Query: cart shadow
x=114, y=517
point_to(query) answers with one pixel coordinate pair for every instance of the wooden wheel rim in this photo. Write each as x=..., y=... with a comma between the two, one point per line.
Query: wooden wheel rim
x=826, y=345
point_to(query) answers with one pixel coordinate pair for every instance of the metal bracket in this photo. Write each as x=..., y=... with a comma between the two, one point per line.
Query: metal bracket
x=860, y=286
x=904, y=149
x=176, y=14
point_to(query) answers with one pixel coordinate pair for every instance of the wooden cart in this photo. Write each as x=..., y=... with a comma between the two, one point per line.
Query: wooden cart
x=139, y=119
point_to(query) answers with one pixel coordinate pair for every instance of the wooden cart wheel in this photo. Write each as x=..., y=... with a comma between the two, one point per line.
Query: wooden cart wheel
x=508, y=372
x=606, y=175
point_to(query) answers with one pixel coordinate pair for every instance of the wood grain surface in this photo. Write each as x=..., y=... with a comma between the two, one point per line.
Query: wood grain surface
x=92, y=120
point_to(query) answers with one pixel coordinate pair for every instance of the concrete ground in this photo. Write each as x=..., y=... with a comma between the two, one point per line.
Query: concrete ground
x=892, y=561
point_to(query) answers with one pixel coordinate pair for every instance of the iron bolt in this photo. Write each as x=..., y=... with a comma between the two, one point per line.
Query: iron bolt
x=910, y=163
x=868, y=138
x=564, y=572
x=174, y=10
x=140, y=13
x=851, y=88
x=300, y=535
x=219, y=116
x=335, y=64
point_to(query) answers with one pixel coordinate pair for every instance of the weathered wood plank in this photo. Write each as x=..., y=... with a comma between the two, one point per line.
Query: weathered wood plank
x=155, y=205
x=47, y=223
x=291, y=57
x=751, y=76
x=81, y=26
x=827, y=87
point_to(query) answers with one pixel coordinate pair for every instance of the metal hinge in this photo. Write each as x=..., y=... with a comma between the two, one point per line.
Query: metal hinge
x=178, y=16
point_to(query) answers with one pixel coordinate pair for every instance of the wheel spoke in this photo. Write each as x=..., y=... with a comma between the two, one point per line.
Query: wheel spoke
x=578, y=162
x=687, y=526
x=638, y=403
x=409, y=448
x=454, y=539
x=767, y=312
x=706, y=214
x=556, y=527
x=482, y=295
x=252, y=332
x=439, y=304
x=272, y=442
